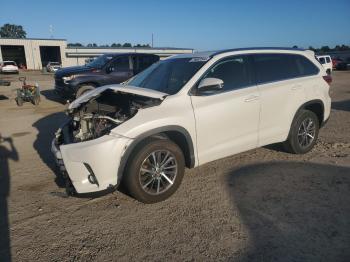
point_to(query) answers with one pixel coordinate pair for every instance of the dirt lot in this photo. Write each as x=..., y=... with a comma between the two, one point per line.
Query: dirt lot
x=262, y=205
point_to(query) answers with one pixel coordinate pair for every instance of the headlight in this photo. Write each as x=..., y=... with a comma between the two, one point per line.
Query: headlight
x=67, y=78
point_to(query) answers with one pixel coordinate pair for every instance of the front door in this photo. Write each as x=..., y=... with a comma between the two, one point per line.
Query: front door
x=227, y=121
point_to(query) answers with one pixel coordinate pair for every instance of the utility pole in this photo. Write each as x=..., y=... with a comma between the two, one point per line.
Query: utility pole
x=152, y=40
x=51, y=31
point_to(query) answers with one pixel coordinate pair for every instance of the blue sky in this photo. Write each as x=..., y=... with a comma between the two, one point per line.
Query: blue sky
x=202, y=25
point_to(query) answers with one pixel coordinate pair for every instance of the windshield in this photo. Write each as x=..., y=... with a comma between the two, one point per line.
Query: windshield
x=99, y=62
x=168, y=76
x=9, y=63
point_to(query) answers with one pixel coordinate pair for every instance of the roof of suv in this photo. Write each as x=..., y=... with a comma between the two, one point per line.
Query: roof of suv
x=206, y=54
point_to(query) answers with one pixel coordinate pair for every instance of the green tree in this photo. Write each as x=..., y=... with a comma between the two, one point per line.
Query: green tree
x=325, y=48
x=116, y=45
x=74, y=45
x=295, y=46
x=127, y=45
x=12, y=31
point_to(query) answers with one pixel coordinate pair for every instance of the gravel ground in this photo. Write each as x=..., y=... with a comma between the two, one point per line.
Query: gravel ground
x=262, y=205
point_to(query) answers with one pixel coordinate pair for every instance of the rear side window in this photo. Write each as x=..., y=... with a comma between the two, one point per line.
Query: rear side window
x=278, y=67
x=305, y=66
x=142, y=62
x=9, y=63
x=322, y=60
x=121, y=63
x=234, y=71
x=328, y=60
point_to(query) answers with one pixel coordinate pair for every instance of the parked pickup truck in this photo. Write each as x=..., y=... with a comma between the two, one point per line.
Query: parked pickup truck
x=72, y=82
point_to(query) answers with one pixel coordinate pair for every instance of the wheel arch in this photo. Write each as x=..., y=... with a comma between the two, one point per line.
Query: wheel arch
x=316, y=106
x=177, y=134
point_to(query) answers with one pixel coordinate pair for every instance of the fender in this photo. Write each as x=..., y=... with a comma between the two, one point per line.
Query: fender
x=305, y=105
x=151, y=133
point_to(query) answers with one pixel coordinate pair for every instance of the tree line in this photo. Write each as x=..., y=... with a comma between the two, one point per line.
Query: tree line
x=106, y=45
x=326, y=48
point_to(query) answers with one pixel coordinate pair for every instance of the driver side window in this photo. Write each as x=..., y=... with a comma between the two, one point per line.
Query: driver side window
x=234, y=71
x=120, y=64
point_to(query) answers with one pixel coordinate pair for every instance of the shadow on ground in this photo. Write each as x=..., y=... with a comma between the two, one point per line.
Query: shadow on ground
x=341, y=105
x=294, y=211
x=7, y=152
x=51, y=95
x=47, y=126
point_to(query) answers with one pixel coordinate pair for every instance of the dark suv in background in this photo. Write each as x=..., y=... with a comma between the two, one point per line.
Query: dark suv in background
x=72, y=82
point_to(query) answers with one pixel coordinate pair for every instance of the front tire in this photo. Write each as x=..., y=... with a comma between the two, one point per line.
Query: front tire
x=83, y=89
x=303, y=133
x=154, y=171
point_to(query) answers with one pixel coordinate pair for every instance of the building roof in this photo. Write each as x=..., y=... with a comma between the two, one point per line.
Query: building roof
x=51, y=39
x=109, y=47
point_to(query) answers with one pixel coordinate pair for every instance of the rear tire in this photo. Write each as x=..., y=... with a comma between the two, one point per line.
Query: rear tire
x=154, y=171
x=303, y=133
x=83, y=89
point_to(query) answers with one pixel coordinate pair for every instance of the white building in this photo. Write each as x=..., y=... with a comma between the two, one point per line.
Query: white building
x=35, y=53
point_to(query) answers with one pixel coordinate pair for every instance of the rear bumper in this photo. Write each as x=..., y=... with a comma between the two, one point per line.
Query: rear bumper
x=91, y=166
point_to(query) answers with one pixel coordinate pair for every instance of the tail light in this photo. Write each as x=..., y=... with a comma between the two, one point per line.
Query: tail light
x=328, y=79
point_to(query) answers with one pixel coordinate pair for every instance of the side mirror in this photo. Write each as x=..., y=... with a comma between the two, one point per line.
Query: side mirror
x=210, y=84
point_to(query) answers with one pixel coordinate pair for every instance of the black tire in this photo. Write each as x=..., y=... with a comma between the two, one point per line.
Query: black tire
x=19, y=101
x=83, y=89
x=294, y=143
x=132, y=179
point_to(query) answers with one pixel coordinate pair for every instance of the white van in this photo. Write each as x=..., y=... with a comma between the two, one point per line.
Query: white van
x=326, y=62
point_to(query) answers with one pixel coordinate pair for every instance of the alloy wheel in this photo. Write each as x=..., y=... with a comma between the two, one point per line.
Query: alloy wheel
x=306, y=132
x=158, y=172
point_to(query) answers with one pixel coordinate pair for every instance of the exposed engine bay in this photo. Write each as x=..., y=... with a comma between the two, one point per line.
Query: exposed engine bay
x=104, y=112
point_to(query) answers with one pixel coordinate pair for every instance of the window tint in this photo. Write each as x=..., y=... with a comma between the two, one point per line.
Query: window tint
x=305, y=66
x=277, y=67
x=322, y=61
x=142, y=62
x=121, y=64
x=274, y=67
x=328, y=60
x=234, y=71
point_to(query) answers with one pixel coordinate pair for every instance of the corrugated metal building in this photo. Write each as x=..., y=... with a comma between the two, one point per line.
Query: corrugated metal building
x=35, y=53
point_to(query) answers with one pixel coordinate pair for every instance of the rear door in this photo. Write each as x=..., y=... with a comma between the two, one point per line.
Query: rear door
x=282, y=92
x=227, y=121
x=119, y=70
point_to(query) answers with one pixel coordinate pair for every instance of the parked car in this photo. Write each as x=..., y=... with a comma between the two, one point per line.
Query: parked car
x=8, y=67
x=326, y=62
x=335, y=62
x=53, y=66
x=344, y=64
x=188, y=110
x=72, y=82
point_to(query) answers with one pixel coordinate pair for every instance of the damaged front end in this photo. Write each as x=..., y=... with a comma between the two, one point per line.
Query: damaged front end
x=85, y=152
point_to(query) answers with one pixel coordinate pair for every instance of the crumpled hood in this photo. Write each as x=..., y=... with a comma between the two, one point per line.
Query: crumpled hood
x=117, y=88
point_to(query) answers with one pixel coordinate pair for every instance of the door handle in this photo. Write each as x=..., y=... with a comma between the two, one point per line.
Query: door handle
x=251, y=98
x=296, y=87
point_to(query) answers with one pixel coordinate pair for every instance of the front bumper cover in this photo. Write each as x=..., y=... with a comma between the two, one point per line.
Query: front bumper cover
x=91, y=166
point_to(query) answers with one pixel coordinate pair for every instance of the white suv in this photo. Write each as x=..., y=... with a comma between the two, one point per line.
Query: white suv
x=188, y=110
